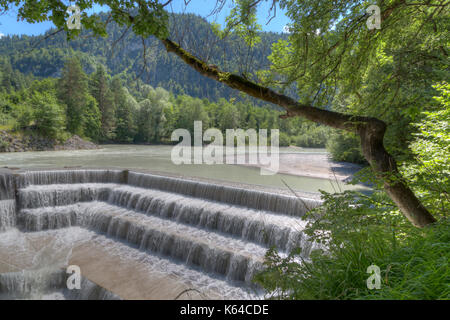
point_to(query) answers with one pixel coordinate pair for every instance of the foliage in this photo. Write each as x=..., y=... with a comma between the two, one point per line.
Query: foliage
x=414, y=263
x=285, y=140
x=344, y=146
x=100, y=90
x=151, y=114
x=429, y=171
x=356, y=230
x=92, y=119
x=23, y=116
x=44, y=56
x=126, y=106
x=101, y=108
x=311, y=136
x=49, y=117
x=3, y=144
x=73, y=91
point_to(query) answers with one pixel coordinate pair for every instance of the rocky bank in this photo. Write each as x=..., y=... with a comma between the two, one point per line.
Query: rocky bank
x=31, y=142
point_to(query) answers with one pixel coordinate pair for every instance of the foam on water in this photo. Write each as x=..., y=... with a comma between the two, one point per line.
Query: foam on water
x=208, y=236
x=48, y=284
x=7, y=214
x=262, y=227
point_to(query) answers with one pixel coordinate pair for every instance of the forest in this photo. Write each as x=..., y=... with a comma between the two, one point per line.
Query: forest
x=29, y=61
x=108, y=109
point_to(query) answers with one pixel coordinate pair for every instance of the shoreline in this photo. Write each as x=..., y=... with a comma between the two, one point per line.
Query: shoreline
x=16, y=142
x=313, y=165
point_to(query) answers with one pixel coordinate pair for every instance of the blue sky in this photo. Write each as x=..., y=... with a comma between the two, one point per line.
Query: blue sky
x=9, y=24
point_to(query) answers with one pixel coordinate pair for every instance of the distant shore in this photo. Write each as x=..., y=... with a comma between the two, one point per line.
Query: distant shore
x=314, y=165
x=26, y=141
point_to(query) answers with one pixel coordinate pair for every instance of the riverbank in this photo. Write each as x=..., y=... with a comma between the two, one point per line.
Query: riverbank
x=315, y=165
x=22, y=142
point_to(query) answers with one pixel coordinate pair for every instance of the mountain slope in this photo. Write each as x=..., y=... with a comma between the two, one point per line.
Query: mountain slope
x=44, y=56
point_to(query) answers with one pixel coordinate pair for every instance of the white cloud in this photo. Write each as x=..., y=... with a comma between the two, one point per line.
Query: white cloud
x=286, y=29
x=1, y=35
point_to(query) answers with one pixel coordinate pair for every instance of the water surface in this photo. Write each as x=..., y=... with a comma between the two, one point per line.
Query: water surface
x=157, y=158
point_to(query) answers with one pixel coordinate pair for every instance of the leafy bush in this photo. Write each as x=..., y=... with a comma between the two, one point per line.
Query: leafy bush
x=311, y=136
x=23, y=116
x=48, y=115
x=344, y=146
x=3, y=144
x=285, y=141
x=359, y=231
x=429, y=171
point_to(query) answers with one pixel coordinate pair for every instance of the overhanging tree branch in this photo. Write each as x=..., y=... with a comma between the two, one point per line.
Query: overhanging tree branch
x=370, y=130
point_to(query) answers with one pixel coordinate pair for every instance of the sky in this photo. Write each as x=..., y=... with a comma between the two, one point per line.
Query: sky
x=10, y=26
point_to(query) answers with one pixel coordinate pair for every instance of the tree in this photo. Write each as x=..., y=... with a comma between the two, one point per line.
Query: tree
x=344, y=146
x=125, y=107
x=151, y=115
x=73, y=91
x=92, y=119
x=105, y=100
x=228, y=116
x=7, y=73
x=48, y=115
x=188, y=110
x=429, y=171
x=331, y=49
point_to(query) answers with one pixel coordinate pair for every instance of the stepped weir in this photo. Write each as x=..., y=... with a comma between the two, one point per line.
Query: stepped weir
x=138, y=235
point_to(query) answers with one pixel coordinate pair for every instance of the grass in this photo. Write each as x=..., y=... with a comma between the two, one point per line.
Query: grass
x=414, y=263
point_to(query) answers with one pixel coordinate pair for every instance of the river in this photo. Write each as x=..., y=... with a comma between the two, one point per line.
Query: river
x=157, y=159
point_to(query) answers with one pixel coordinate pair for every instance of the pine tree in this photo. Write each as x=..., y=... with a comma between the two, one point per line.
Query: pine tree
x=102, y=93
x=7, y=72
x=73, y=92
x=125, y=107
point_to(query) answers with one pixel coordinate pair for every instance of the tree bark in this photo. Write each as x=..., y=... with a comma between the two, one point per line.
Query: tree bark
x=370, y=130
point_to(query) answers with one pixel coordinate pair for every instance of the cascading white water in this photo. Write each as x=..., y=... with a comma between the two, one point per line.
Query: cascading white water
x=7, y=200
x=89, y=291
x=6, y=184
x=7, y=214
x=212, y=252
x=212, y=228
x=50, y=284
x=70, y=176
x=258, y=226
x=288, y=205
x=30, y=284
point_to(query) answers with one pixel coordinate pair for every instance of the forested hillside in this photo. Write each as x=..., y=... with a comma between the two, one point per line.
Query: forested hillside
x=104, y=90
x=122, y=53
x=105, y=108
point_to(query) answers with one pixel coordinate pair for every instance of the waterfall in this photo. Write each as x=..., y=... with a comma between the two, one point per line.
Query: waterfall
x=258, y=226
x=90, y=291
x=259, y=200
x=218, y=230
x=30, y=283
x=38, y=284
x=7, y=200
x=70, y=176
x=7, y=214
x=228, y=256
x=6, y=184
x=61, y=194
